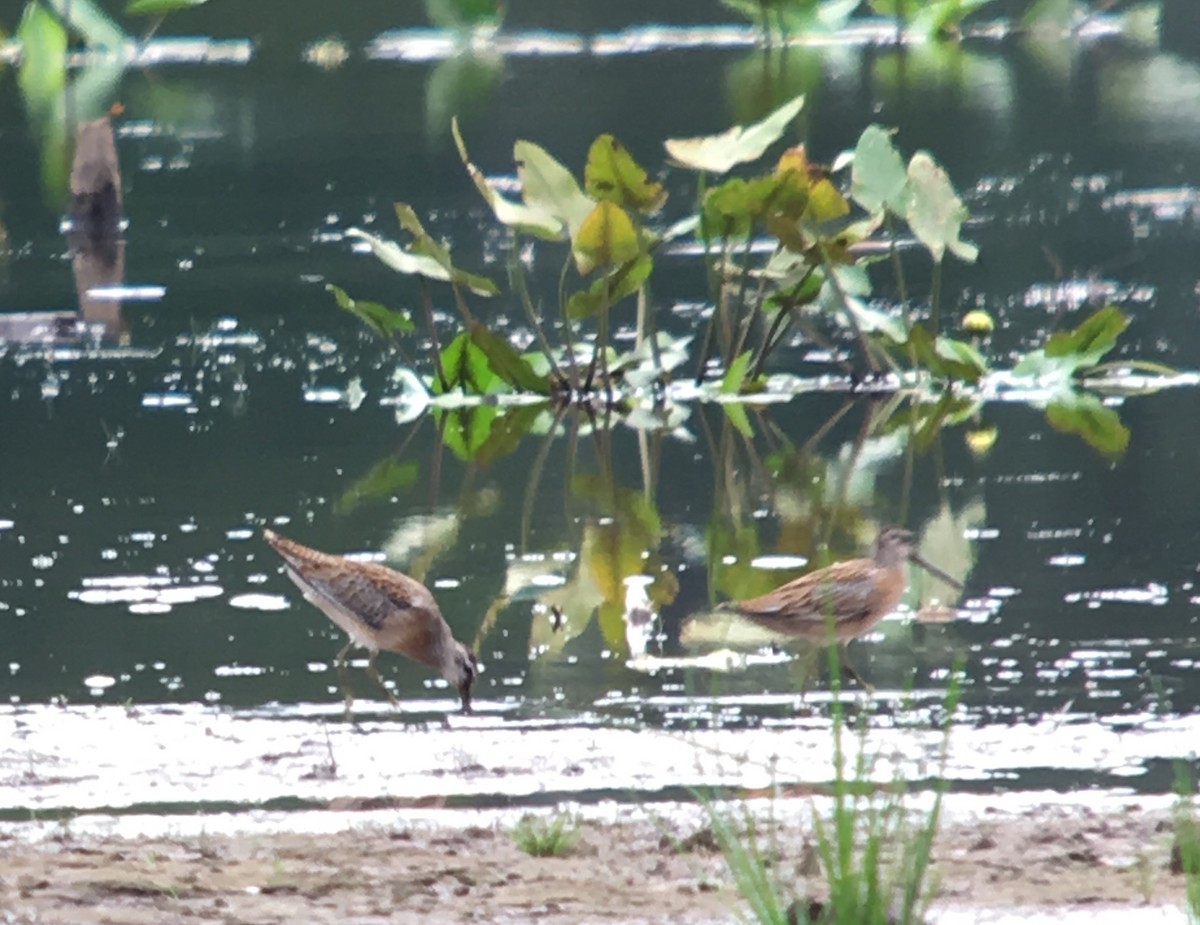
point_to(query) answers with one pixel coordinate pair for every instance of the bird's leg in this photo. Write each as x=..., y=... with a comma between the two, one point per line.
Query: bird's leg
x=848, y=667
x=343, y=680
x=378, y=680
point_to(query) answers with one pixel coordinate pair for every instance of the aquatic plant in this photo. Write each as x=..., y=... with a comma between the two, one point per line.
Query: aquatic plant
x=792, y=248
x=779, y=18
x=1185, y=853
x=936, y=18
x=872, y=849
x=542, y=837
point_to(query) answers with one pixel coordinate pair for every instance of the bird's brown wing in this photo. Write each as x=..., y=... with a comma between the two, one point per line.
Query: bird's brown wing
x=399, y=611
x=369, y=601
x=846, y=591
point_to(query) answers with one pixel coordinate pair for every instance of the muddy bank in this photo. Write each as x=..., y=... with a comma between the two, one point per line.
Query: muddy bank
x=398, y=866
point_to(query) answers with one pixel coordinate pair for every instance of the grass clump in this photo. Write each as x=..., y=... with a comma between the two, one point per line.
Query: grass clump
x=873, y=852
x=1185, y=853
x=543, y=837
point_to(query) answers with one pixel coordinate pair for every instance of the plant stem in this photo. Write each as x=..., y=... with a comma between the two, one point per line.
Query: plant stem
x=516, y=279
x=651, y=331
x=832, y=278
x=535, y=475
x=741, y=322
x=935, y=299
x=567, y=332
x=777, y=328
x=427, y=303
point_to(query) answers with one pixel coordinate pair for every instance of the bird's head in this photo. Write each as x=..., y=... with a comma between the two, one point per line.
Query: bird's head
x=893, y=545
x=463, y=669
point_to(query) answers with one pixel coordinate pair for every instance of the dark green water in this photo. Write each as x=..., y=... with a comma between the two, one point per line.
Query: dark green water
x=134, y=479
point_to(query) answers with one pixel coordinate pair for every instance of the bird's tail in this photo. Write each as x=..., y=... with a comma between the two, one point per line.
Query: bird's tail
x=297, y=555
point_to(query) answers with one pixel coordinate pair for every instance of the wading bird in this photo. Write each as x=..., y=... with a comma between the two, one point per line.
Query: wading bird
x=379, y=608
x=842, y=600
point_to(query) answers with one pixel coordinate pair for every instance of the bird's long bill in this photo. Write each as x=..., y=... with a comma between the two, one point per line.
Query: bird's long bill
x=465, y=692
x=935, y=571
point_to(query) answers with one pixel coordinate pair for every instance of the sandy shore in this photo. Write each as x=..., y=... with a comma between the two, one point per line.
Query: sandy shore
x=387, y=864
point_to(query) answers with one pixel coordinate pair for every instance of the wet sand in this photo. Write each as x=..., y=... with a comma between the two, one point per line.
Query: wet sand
x=389, y=864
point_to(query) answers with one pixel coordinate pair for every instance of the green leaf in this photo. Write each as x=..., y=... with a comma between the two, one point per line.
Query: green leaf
x=524, y=218
x=950, y=409
x=941, y=20
x=610, y=289
x=159, y=7
x=424, y=243
x=463, y=14
x=878, y=178
x=606, y=238
x=934, y=211
x=871, y=320
x=387, y=478
x=547, y=186
x=731, y=384
x=1067, y=352
x=412, y=263
x=1049, y=14
x=88, y=20
x=612, y=174
x=1085, y=415
x=1095, y=336
x=466, y=366
x=43, y=40
x=731, y=208
x=943, y=357
x=739, y=145
x=379, y=318
x=736, y=412
x=963, y=356
x=506, y=432
x=506, y=363
x=466, y=430
x=399, y=259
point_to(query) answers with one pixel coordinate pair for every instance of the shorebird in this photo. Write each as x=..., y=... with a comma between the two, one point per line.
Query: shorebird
x=379, y=608
x=842, y=600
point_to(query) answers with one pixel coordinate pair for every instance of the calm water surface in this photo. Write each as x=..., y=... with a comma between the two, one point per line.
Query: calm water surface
x=227, y=393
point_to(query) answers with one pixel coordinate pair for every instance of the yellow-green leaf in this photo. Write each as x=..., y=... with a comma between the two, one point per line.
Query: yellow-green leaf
x=612, y=174
x=606, y=238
